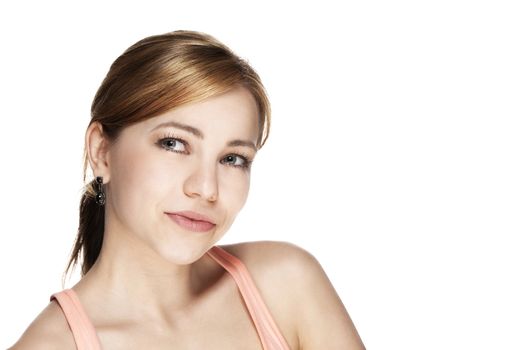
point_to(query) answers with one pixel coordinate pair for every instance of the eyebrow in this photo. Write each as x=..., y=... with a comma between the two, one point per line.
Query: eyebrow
x=200, y=135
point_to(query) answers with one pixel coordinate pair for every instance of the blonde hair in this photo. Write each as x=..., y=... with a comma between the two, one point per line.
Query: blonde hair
x=152, y=76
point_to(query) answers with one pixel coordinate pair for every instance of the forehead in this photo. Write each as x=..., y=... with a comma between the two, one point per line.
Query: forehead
x=233, y=113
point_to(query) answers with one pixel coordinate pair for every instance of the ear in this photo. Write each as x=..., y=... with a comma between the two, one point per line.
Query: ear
x=97, y=151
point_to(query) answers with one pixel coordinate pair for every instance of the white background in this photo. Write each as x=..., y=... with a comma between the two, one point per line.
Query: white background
x=396, y=153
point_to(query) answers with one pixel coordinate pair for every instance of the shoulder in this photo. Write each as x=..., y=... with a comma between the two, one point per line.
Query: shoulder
x=273, y=262
x=276, y=267
x=271, y=256
x=283, y=268
x=293, y=280
x=49, y=330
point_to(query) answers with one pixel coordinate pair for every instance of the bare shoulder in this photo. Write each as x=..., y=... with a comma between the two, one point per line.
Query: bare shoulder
x=294, y=281
x=278, y=264
x=273, y=265
x=271, y=257
x=49, y=330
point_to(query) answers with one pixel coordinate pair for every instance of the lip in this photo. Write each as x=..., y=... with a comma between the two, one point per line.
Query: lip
x=193, y=215
x=192, y=221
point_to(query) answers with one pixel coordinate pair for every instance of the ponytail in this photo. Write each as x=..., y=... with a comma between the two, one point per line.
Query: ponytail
x=90, y=232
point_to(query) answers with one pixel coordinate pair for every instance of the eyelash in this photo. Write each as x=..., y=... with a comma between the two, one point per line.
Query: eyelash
x=244, y=157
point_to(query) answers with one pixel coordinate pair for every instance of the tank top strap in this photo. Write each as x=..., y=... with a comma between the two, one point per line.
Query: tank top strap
x=269, y=333
x=81, y=327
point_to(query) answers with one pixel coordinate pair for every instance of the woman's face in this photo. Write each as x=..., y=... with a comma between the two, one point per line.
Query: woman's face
x=156, y=168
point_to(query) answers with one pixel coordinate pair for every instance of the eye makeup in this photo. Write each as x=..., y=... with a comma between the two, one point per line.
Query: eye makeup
x=169, y=140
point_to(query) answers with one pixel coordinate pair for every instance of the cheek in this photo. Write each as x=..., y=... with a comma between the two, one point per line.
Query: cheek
x=234, y=188
x=138, y=180
x=233, y=195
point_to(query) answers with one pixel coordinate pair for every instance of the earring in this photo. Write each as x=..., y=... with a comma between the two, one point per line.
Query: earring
x=101, y=197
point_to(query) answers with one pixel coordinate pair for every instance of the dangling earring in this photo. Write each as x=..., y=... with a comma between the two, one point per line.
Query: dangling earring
x=101, y=197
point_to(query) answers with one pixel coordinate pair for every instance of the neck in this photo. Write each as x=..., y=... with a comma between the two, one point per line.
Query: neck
x=137, y=283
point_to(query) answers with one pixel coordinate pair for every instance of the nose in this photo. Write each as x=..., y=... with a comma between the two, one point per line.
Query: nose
x=202, y=183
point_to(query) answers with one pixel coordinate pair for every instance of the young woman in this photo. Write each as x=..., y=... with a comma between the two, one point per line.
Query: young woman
x=175, y=127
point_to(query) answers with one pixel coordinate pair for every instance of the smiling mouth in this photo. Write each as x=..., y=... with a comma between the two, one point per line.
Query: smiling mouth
x=191, y=224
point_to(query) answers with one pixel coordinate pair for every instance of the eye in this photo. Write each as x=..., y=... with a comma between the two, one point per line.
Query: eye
x=170, y=143
x=245, y=162
x=177, y=145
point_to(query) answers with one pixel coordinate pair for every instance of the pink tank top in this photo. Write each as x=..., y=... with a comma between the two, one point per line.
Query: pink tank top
x=271, y=338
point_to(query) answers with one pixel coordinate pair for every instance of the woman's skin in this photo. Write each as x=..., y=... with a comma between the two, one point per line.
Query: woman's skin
x=153, y=286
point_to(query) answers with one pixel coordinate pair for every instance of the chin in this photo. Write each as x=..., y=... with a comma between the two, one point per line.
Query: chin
x=183, y=254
